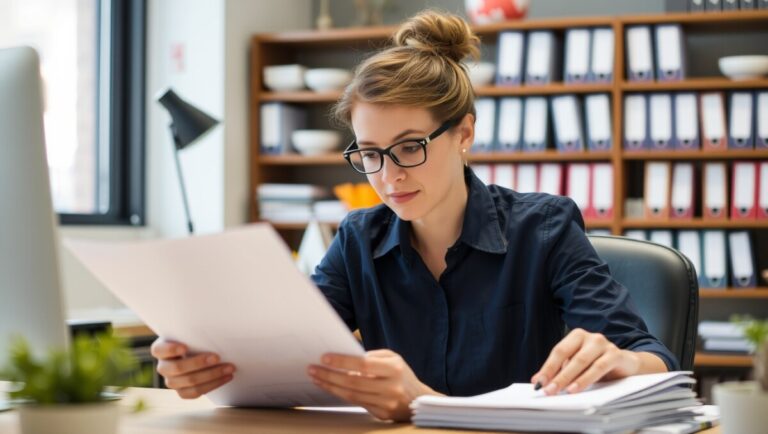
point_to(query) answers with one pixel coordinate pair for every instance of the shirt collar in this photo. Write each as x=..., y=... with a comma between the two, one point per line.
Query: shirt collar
x=480, y=230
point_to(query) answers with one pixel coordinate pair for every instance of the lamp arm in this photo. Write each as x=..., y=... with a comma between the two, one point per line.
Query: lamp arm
x=190, y=226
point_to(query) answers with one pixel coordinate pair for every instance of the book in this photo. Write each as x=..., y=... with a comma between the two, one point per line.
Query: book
x=608, y=407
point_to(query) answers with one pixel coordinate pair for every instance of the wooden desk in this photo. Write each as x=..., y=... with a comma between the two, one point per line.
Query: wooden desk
x=168, y=414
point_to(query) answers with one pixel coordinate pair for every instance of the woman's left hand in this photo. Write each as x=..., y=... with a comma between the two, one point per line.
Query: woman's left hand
x=583, y=358
x=381, y=382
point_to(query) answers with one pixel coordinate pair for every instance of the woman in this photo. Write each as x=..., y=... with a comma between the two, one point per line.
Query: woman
x=456, y=288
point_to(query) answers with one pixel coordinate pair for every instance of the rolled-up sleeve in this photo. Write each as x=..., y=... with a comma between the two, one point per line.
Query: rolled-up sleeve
x=331, y=277
x=584, y=289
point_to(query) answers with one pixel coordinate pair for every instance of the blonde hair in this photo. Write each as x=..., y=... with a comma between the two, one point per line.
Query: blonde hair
x=423, y=68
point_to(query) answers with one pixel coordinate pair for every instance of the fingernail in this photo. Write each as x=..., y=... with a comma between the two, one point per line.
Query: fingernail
x=572, y=388
x=212, y=360
x=312, y=371
x=229, y=369
x=326, y=360
x=551, y=389
x=179, y=351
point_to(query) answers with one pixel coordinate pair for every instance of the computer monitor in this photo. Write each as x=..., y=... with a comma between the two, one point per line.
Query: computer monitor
x=30, y=286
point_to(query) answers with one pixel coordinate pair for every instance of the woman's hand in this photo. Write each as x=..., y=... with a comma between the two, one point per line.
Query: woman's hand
x=582, y=359
x=189, y=375
x=381, y=382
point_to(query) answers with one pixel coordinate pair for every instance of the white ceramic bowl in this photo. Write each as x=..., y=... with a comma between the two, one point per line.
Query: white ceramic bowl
x=326, y=79
x=744, y=67
x=284, y=77
x=315, y=142
x=481, y=73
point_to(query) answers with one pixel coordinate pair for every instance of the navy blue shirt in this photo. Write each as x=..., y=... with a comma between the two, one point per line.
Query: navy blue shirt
x=521, y=270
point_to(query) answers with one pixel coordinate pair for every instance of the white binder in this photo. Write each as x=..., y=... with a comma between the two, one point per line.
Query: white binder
x=689, y=244
x=510, y=124
x=579, y=185
x=639, y=54
x=742, y=263
x=602, y=191
x=656, y=192
x=661, y=121
x=662, y=236
x=715, y=191
x=762, y=190
x=484, y=172
x=670, y=48
x=540, y=58
x=681, y=200
x=577, y=45
x=713, y=129
x=598, y=114
x=635, y=122
x=535, y=124
x=601, y=65
x=510, y=59
x=567, y=118
x=744, y=193
x=504, y=175
x=761, y=103
x=741, y=121
x=715, y=266
x=527, y=178
x=686, y=129
x=551, y=178
x=485, y=125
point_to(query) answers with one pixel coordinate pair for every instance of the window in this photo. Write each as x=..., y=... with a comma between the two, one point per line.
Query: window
x=92, y=66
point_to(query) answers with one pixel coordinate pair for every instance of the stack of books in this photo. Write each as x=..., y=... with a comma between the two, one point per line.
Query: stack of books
x=724, y=336
x=617, y=406
x=289, y=203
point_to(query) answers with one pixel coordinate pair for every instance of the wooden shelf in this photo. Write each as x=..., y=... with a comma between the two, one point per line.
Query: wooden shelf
x=714, y=83
x=297, y=226
x=722, y=360
x=549, y=89
x=302, y=160
x=733, y=154
x=300, y=96
x=548, y=155
x=734, y=293
x=744, y=19
x=696, y=223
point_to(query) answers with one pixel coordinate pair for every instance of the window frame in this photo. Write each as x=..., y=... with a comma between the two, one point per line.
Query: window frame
x=124, y=116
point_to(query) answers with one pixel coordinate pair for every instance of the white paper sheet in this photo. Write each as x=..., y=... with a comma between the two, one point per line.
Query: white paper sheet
x=238, y=294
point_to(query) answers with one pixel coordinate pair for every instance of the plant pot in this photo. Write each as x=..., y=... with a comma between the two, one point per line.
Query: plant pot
x=743, y=407
x=95, y=418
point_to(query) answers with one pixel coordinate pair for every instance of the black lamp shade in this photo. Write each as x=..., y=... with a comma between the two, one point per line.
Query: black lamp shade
x=188, y=122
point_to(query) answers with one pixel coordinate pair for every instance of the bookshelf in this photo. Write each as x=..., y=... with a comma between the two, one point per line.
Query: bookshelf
x=353, y=44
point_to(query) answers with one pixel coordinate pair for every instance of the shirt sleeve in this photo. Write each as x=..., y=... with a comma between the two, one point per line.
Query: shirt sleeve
x=332, y=279
x=587, y=294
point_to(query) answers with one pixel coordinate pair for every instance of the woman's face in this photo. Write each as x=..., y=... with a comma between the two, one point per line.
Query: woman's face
x=414, y=192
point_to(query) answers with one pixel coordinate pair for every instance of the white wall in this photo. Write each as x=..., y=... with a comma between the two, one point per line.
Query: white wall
x=214, y=35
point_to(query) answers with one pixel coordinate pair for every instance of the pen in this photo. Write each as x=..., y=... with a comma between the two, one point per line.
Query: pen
x=537, y=386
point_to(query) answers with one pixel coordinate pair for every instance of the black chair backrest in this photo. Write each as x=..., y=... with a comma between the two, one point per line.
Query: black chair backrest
x=663, y=285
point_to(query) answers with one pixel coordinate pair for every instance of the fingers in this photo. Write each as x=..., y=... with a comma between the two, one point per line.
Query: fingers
x=352, y=380
x=201, y=389
x=368, y=365
x=186, y=365
x=561, y=353
x=597, y=371
x=354, y=396
x=164, y=349
x=593, y=348
x=199, y=377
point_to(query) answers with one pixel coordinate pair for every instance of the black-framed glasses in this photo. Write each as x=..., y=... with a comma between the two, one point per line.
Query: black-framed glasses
x=406, y=153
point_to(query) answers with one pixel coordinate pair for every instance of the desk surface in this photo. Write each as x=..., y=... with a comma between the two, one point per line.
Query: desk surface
x=168, y=414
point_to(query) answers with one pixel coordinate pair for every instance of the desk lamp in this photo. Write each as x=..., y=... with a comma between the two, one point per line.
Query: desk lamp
x=188, y=123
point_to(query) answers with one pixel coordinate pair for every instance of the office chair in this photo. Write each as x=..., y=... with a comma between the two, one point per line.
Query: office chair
x=663, y=285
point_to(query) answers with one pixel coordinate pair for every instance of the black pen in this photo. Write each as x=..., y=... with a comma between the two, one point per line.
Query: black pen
x=537, y=386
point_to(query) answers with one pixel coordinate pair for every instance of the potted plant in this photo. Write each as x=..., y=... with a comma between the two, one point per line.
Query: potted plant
x=74, y=390
x=744, y=405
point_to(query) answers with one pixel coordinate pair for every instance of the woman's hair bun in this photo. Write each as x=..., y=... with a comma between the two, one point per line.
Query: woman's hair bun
x=440, y=33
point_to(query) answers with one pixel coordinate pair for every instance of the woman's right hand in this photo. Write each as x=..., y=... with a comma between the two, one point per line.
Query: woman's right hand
x=191, y=376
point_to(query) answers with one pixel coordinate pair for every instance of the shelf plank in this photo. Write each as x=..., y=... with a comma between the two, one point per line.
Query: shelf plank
x=549, y=89
x=699, y=18
x=302, y=160
x=548, y=155
x=731, y=154
x=722, y=360
x=696, y=223
x=292, y=226
x=708, y=83
x=733, y=293
x=300, y=96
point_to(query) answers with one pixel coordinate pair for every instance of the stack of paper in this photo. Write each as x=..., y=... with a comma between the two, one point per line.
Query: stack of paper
x=616, y=406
